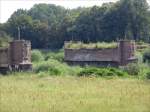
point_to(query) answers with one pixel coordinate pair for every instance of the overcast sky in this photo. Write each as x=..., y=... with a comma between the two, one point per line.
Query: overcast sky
x=7, y=7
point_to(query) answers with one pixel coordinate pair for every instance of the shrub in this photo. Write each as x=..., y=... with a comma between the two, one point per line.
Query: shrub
x=4, y=39
x=55, y=55
x=54, y=67
x=49, y=67
x=89, y=71
x=101, y=72
x=98, y=45
x=36, y=56
x=146, y=56
x=118, y=72
x=148, y=75
x=132, y=69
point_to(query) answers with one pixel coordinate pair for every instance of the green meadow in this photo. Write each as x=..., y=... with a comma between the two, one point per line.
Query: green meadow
x=32, y=93
x=54, y=86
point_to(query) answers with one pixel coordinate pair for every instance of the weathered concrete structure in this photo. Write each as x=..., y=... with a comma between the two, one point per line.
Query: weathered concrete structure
x=119, y=56
x=16, y=57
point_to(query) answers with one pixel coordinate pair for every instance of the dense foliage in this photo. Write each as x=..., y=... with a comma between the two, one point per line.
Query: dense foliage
x=52, y=63
x=146, y=56
x=4, y=39
x=48, y=26
x=54, y=67
x=102, y=72
x=36, y=56
x=148, y=75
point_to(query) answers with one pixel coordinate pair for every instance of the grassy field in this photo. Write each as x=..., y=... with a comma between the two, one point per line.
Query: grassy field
x=31, y=93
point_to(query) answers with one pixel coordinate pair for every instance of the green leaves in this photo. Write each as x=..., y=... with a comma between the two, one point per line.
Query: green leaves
x=48, y=26
x=89, y=71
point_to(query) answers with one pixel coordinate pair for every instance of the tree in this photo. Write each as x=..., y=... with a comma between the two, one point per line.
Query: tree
x=4, y=39
x=136, y=18
x=48, y=25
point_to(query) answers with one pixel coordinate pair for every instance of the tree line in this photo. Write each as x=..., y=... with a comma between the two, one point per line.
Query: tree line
x=48, y=25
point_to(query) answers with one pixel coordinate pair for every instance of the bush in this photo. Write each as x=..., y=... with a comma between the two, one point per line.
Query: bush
x=54, y=67
x=148, y=75
x=132, y=69
x=36, y=56
x=89, y=71
x=4, y=39
x=98, y=45
x=101, y=72
x=59, y=56
x=146, y=56
x=49, y=67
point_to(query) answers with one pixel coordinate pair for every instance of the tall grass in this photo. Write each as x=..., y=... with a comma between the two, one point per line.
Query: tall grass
x=98, y=45
x=29, y=93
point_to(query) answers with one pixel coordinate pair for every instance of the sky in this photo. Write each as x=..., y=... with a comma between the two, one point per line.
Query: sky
x=7, y=7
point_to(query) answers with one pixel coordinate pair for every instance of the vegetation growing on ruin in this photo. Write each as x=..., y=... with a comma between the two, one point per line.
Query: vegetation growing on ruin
x=98, y=45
